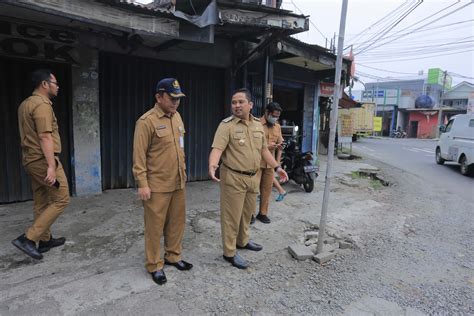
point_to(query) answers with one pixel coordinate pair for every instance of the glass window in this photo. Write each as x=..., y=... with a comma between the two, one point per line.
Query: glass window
x=471, y=123
x=450, y=124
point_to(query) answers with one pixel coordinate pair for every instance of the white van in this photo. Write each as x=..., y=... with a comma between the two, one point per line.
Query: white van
x=456, y=142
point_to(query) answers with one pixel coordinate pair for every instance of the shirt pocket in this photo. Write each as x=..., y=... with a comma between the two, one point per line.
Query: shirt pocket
x=258, y=139
x=163, y=135
x=55, y=124
x=239, y=138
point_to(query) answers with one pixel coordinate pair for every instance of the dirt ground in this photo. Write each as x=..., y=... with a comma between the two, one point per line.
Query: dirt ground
x=100, y=270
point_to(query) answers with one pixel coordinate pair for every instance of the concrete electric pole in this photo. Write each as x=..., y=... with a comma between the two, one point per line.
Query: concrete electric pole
x=332, y=126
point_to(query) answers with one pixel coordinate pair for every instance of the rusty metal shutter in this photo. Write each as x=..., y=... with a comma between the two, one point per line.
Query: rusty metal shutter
x=127, y=88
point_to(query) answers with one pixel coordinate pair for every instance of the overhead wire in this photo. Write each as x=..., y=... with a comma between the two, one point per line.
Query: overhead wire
x=371, y=61
x=420, y=27
x=365, y=48
x=383, y=27
x=363, y=32
x=311, y=22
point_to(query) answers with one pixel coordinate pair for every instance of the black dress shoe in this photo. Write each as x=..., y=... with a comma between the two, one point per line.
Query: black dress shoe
x=263, y=218
x=159, y=277
x=251, y=246
x=27, y=246
x=237, y=261
x=180, y=265
x=45, y=246
x=252, y=219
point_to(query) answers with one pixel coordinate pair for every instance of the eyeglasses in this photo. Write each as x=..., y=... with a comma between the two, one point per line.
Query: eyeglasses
x=55, y=83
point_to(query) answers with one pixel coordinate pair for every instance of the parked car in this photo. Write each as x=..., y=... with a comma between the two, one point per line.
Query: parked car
x=456, y=142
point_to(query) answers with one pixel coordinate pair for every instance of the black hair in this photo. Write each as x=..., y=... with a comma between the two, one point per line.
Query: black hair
x=246, y=91
x=273, y=106
x=40, y=75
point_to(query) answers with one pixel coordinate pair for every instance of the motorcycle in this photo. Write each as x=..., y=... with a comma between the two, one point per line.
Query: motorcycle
x=298, y=165
x=398, y=134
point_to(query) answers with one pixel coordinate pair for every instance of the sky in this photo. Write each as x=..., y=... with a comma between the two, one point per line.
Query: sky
x=430, y=36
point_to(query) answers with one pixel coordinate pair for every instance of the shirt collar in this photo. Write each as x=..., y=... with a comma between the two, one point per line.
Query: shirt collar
x=45, y=99
x=237, y=119
x=160, y=112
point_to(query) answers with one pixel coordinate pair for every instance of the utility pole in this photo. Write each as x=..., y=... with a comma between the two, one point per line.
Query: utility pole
x=440, y=113
x=332, y=127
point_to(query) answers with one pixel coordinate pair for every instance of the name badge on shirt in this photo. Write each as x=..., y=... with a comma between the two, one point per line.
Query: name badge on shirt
x=181, y=138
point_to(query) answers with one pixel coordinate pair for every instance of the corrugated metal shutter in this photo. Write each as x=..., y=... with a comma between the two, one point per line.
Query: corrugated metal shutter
x=127, y=88
x=15, y=74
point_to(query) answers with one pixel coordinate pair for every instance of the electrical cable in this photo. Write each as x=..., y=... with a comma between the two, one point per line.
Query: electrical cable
x=429, y=23
x=387, y=31
x=388, y=24
x=375, y=23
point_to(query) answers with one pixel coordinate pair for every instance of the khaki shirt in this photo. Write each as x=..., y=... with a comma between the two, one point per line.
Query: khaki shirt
x=241, y=142
x=36, y=116
x=272, y=134
x=158, y=151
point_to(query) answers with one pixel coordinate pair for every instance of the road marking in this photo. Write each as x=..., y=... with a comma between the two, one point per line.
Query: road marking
x=419, y=150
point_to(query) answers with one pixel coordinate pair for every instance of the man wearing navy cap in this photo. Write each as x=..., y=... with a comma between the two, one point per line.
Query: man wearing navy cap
x=159, y=169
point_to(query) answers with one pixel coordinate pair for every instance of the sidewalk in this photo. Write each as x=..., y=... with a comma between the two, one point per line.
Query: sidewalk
x=101, y=267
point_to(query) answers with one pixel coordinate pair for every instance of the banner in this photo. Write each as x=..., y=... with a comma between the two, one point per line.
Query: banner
x=377, y=124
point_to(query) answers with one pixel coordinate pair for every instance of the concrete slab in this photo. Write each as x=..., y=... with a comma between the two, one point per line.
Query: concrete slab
x=324, y=257
x=300, y=252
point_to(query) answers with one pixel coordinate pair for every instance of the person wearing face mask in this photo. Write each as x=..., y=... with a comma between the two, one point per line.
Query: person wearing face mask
x=274, y=140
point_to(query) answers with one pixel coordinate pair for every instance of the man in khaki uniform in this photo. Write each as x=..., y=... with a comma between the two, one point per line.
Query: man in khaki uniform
x=240, y=142
x=41, y=146
x=274, y=140
x=159, y=169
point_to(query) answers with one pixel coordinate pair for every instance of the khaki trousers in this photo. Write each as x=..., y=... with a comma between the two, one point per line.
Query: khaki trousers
x=238, y=202
x=49, y=201
x=266, y=184
x=164, y=216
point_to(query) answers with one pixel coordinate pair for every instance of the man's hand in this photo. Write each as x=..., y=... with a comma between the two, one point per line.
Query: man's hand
x=279, y=146
x=272, y=146
x=144, y=194
x=50, y=176
x=212, y=172
x=282, y=174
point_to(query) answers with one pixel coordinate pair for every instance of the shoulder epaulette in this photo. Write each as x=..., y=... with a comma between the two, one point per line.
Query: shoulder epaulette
x=227, y=119
x=256, y=119
x=146, y=114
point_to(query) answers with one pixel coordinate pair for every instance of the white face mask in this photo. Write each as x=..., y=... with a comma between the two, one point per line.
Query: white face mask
x=272, y=120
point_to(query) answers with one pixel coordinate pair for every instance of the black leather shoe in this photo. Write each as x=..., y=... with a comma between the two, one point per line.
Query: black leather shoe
x=27, y=246
x=251, y=246
x=180, y=265
x=45, y=246
x=263, y=218
x=237, y=261
x=252, y=219
x=159, y=277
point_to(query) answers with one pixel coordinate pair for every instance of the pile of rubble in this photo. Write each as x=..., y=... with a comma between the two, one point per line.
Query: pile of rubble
x=307, y=249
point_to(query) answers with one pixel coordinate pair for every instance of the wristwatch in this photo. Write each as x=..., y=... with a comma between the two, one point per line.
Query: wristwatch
x=276, y=168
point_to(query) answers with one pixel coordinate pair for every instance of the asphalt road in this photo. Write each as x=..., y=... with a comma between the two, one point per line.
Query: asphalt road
x=418, y=157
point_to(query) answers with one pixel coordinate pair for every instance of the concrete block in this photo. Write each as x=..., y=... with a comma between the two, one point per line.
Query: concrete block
x=345, y=245
x=330, y=248
x=329, y=241
x=310, y=242
x=311, y=234
x=324, y=257
x=300, y=252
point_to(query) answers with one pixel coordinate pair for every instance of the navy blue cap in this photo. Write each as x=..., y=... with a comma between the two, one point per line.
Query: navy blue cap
x=170, y=86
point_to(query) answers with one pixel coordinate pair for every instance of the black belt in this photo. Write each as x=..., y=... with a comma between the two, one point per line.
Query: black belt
x=251, y=174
